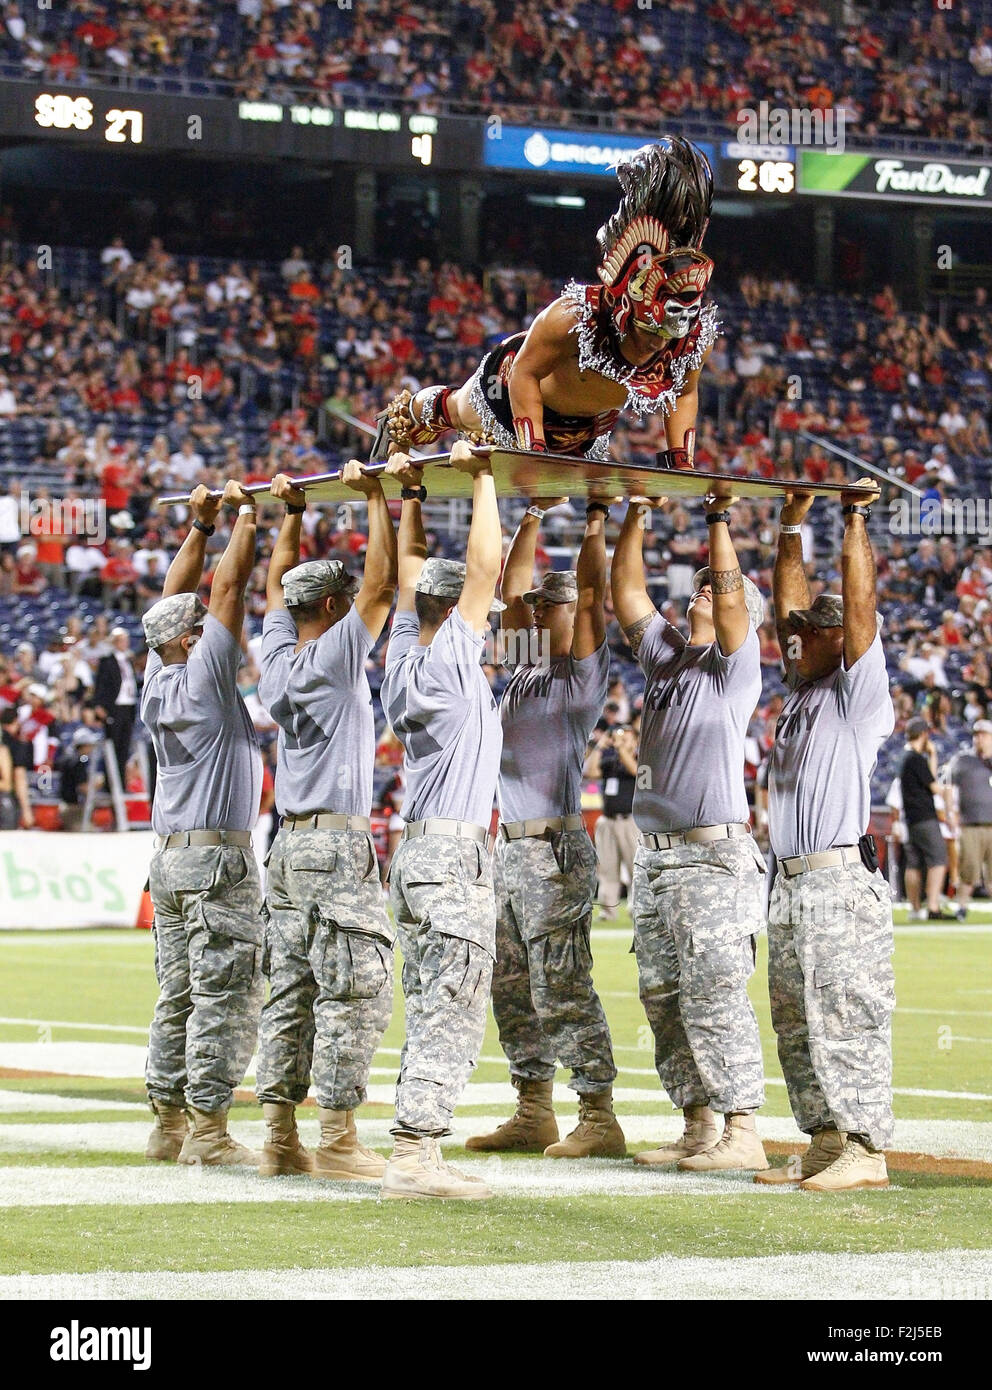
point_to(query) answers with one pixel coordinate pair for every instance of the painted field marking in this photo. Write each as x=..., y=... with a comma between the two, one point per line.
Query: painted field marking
x=943, y=1138
x=947, y=1274
x=170, y=1185
x=76, y=1027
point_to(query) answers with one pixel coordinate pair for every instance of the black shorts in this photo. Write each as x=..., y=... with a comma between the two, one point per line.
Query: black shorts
x=926, y=848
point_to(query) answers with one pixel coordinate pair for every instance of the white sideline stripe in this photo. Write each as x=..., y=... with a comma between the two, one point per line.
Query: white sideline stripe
x=126, y=1060
x=78, y=1027
x=170, y=1184
x=945, y=1274
x=946, y=1138
x=949, y=1013
x=41, y=1103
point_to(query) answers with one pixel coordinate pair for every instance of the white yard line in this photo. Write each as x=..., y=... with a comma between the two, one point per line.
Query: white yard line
x=947, y=1138
x=126, y=1060
x=41, y=1103
x=169, y=1184
x=946, y=1274
x=75, y=1027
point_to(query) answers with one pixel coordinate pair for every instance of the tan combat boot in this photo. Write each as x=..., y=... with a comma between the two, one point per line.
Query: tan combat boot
x=824, y=1146
x=167, y=1137
x=597, y=1135
x=857, y=1166
x=283, y=1155
x=530, y=1129
x=339, y=1155
x=416, y=1168
x=210, y=1144
x=700, y=1133
x=739, y=1147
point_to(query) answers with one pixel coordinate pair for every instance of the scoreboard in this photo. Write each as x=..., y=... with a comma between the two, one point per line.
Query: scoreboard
x=228, y=128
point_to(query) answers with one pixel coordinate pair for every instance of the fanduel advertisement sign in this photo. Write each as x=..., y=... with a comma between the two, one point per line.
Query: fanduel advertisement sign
x=551, y=151
x=891, y=176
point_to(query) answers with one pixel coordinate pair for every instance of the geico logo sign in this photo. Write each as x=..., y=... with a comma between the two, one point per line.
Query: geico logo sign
x=932, y=178
x=63, y=112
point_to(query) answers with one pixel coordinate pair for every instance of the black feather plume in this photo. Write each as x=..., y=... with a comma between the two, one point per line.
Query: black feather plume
x=672, y=181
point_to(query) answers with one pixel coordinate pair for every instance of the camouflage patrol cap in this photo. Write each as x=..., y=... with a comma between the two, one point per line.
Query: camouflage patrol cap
x=446, y=579
x=752, y=594
x=317, y=579
x=557, y=586
x=826, y=610
x=171, y=617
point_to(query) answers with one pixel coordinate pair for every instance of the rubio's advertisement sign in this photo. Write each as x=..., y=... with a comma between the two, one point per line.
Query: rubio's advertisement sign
x=958, y=182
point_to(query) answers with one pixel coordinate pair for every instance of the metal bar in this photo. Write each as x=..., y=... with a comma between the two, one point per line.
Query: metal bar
x=862, y=463
x=371, y=470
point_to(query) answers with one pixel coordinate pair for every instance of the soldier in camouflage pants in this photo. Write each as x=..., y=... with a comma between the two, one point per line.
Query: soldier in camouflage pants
x=697, y=911
x=442, y=898
x=832, y=993
x=329, y=960
x=543, y=995
x=208, y=935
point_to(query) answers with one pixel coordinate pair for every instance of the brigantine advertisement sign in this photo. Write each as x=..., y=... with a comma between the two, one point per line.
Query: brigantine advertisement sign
x=961, y=183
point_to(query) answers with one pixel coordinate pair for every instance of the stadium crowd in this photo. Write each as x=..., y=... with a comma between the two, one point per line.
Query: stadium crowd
x=159, y=374
x=908, y=68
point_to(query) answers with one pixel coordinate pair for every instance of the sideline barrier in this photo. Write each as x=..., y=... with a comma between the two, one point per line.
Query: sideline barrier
x=53, y=879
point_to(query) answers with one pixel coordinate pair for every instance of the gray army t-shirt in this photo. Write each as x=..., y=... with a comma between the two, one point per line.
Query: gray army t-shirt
x=439, y=705
x=209, y=766
x=972, y=776
x=826, y=744
x=697, y=706
x=321, y=700
x=547, y=714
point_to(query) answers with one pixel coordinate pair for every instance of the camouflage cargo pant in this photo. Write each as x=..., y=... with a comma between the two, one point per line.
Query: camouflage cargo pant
x=832, y=991
x=329, y=962
x=543, y=996
x=208, y=935
x=442, y=897
x=697, y=911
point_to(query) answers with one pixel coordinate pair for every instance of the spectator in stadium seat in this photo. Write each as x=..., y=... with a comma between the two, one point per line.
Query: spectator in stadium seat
x=77, y=770
x=21, y=763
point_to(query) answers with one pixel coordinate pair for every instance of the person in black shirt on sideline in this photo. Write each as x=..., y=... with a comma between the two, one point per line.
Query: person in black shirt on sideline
x=613, y=759
x=926, y=849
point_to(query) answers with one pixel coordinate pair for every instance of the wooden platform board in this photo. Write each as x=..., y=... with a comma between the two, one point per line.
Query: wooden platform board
x=520, y=473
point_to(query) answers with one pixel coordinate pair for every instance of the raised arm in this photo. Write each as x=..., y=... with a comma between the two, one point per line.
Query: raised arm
x=518, y=571
x=186, y=570
x=549, y=342
x=730, y=617
x=375, y=598
x=857, y=569
x=631, y=602
x=589, y=632
x=286, y=551
x=790, y=588
x=227, y=593
x=484, y=551
x=411, y=542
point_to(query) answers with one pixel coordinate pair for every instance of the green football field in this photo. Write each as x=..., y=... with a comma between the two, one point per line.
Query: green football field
x=84, y=1213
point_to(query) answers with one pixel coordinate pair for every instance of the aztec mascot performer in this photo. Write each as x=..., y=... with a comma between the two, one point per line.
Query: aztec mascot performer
x=637, y=339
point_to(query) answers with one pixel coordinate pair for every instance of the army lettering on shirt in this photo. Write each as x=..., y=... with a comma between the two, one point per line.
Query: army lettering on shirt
x=826, y=744
x=209, y=766
x=548, y=714
x=439, y=705
x=697, y=705
x=321, y=700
